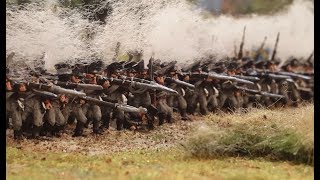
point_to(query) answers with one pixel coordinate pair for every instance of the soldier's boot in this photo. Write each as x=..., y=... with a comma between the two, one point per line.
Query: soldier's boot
x=161, y=118
x=36, y=132
x=51, y=131
x=17, y=134
x=105, y=122
x=7, y=123
x=96, y=127
x=57, y=130
x=169, y=118
x=119, y=123
x=184, y=116
x=86, y=125
x=71, y=119
x=150, y=122
x=79, y=129
x=190, y=110
x=44, y=130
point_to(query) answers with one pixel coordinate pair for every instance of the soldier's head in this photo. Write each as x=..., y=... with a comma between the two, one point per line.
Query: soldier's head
x=307, y=66
x=91, y=78
x=272, y=66
x=144, y=74
x=35, y=79
x=131, y=72
x=8, y=84
x=159, y=78
x=114, y=69
x=291, y=65
x=232, y=68
x=260, y=65
x=196, y=69
x=63, y=98
x=106, y=84
x=75, y=78
x=172, y=72
x=22, y=87
x=295, y=64
x=248, y=65
x=186, y=78
x=209, y=79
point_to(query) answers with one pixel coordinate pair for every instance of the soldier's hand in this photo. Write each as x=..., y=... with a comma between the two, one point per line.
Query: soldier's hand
x=50, y=84
x=48, y=105
x=82, y=102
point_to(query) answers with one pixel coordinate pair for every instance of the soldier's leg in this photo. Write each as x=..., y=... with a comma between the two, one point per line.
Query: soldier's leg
x=170, y=100
x=16, y=120
x=212, y=103
x=168, y=111
x=60, y=122
x=222, y=100
x=96, y=119
x=182, y=107
x=38, y=113
x=192, y=104
x=87, y=110
x=119, y=115
x=8, y=115
x=81, y=120
x=49, y=120
x=239, y=101
x=295, y=96
x=105, y=117
x=203, y=104
x=162, y=111
x=233, y=105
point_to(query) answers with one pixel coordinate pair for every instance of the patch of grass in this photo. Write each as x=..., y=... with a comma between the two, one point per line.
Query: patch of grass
x=285, y=134
x=161, y=164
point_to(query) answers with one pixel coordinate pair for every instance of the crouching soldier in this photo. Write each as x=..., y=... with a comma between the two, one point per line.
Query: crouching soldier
x=54, y=119
x=164, y=111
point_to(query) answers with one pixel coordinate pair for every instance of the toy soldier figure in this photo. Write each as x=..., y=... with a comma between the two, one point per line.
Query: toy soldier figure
x=164, y=111
x=230, y=97
x=199, y=94
x=182, y=103
x=93, y=111
x=140, y=97
x=113, y=93
x=74, y=106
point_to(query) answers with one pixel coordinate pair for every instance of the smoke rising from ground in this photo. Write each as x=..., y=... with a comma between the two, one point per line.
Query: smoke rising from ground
x=171, y=29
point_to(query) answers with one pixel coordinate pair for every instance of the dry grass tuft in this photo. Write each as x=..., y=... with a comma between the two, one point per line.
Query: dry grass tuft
x=283, y=134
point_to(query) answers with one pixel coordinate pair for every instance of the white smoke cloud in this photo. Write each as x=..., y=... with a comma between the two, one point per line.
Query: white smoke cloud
x=171, y=29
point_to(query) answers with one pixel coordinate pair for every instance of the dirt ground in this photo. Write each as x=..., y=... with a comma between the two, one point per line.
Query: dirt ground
x=164, y=136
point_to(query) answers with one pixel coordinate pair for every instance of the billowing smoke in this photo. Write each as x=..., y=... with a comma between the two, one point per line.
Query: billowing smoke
x=171, y=29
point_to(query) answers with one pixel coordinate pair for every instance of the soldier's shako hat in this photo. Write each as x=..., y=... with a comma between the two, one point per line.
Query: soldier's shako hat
x=245, y=59
x=248, y=64
x=205, y=68
x=169, y=67
x=232, y=66
x=34, y=73
x=95, y=67
x=269, y=63
x=65, y=71
x=114, y=67
x=79, y=69
x=156, y=67
x=294, y=62
x=63, y=68
x=260, y=64
x=307, y=64
x=196, y=67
